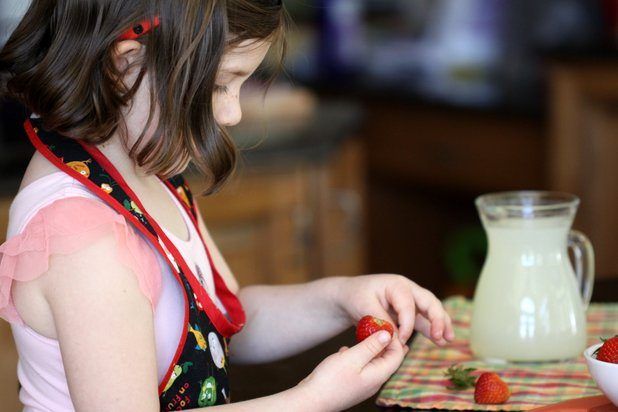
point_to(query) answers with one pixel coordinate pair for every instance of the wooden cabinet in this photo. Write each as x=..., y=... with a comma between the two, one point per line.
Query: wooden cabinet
x=9, y=394
x=288, y=222
x=584, y=155
x=5, y=204
x=8, y=354
x=466, y=150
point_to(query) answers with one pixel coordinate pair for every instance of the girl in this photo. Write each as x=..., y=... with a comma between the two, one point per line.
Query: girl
x=118, y=298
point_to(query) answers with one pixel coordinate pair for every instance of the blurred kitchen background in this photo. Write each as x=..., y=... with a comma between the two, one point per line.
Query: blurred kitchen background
x=393, y=116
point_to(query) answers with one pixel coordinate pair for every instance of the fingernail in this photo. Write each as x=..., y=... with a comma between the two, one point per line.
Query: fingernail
x=384, y=337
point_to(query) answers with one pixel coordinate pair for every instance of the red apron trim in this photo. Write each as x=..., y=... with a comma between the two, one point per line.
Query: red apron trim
x=227, y=297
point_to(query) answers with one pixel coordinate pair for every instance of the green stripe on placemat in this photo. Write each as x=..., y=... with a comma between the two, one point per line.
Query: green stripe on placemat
x=420, y=383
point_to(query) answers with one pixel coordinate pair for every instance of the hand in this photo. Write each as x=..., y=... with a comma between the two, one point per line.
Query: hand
x=400, y=301
x=354, y=374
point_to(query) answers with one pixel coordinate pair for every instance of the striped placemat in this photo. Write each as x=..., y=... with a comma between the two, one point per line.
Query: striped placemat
x=420, y=383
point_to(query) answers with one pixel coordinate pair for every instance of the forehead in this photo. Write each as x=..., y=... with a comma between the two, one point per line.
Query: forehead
x=245, y=56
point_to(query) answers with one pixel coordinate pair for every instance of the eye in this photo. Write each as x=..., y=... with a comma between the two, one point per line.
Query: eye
x=221, y=89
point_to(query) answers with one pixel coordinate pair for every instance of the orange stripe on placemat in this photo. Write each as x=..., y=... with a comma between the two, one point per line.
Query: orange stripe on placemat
x=403, y=383
x=560, y=385
x=462, y=402
x=544, y=375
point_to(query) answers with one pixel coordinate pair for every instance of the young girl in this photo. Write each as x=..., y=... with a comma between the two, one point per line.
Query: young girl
x=118, y=298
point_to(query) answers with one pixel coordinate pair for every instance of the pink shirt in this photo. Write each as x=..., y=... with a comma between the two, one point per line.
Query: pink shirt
x=58, y=215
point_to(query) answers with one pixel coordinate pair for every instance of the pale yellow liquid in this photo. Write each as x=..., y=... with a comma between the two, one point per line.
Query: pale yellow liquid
x=527, y=305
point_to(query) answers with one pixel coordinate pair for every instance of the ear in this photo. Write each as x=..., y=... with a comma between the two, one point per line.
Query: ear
x=126, y=53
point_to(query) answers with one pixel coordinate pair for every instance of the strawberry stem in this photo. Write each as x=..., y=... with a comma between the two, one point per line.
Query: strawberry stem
x=460, y=377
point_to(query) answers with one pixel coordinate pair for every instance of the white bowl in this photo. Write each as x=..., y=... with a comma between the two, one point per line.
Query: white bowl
x=604, y=374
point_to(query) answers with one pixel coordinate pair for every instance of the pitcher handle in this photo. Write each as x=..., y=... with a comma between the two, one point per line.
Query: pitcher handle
x=584, y=264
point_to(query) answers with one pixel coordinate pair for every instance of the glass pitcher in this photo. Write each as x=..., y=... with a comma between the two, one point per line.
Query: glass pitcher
x=529, y=303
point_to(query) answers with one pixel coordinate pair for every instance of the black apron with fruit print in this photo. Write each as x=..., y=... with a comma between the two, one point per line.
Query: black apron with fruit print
x=198, y=376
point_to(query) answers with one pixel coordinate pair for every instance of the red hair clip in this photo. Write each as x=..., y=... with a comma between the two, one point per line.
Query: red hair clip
x=140, y=29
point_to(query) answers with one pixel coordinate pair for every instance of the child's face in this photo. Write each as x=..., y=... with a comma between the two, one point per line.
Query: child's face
x=237, y=66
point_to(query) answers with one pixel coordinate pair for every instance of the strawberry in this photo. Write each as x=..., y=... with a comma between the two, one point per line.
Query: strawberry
x=609, y=351
x=368, y=325
x=490, y=389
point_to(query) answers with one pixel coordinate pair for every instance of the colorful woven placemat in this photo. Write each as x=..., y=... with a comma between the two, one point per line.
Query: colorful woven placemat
x=420, y=383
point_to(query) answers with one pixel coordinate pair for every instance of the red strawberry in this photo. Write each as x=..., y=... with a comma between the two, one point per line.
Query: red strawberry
x=609, y=351
x=490, y=389
x=368, y=325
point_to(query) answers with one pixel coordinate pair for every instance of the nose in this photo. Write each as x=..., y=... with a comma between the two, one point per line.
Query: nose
x=227, y=110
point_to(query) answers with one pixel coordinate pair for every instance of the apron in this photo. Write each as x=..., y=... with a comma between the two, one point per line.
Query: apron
x=198, y=375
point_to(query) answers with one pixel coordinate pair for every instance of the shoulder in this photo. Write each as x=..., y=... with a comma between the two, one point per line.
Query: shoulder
x=38, y=168
x=93, y=276
x=41, y=185
x=74, y=247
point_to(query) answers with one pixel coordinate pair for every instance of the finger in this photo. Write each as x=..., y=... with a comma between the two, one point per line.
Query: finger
x=437, y=330
x=423, y=326
x=343, y=349
x=449, y=332
x=431, y=308
x=387, y=363
x=363, y=353
x=402, y=300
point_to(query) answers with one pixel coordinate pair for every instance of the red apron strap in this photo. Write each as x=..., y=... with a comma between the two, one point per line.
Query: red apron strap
x=179, y=188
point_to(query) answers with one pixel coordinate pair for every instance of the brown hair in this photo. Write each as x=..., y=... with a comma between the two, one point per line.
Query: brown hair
x=58, y=63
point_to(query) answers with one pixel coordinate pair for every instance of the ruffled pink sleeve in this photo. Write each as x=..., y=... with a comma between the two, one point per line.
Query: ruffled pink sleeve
x=64, y=227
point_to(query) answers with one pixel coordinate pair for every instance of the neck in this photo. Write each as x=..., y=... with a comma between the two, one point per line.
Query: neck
x=117, y=153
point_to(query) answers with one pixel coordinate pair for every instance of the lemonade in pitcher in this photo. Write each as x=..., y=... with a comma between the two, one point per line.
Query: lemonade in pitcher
x=530, y=303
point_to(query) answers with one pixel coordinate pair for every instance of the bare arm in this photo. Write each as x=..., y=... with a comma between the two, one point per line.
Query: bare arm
x=105, y=328
x=285, y=320
x=291, y=400
x=281, y=320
